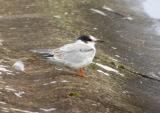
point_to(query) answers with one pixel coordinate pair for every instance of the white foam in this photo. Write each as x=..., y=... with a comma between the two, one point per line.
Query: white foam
x=98, y=11
x=103, y=72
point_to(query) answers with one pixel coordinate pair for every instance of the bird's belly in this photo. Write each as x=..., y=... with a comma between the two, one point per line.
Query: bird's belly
x=81, y=64
x=75, y=62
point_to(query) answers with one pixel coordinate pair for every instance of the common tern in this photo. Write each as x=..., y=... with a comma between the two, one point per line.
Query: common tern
x=76, y=55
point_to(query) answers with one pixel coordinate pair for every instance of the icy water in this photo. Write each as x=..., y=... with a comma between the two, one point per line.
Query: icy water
x=131, y=32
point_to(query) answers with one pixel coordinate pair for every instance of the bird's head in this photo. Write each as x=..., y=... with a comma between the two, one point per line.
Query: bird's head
x=88, y=39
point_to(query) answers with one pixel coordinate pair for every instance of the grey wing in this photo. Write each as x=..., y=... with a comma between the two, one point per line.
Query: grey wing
x=73, y=53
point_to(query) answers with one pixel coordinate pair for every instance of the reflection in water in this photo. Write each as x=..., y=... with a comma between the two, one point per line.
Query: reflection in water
x=152, y=8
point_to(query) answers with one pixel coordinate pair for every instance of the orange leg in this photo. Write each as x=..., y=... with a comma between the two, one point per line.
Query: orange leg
x=81, y=72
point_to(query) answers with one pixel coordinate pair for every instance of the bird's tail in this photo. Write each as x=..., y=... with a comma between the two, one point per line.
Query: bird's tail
x=45, y=53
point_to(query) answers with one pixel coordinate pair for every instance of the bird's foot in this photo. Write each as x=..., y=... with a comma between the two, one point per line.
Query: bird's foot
x=81, y=72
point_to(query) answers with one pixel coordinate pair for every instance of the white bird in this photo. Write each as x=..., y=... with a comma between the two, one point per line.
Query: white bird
x=75, y=55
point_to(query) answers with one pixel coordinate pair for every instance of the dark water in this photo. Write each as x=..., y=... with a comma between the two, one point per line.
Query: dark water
x=131, y=34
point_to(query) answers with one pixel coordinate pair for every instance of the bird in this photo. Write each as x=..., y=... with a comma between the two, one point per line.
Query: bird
x=76, y=55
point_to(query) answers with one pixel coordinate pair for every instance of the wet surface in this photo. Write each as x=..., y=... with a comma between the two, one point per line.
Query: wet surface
x=151, y=7
x=118, y=83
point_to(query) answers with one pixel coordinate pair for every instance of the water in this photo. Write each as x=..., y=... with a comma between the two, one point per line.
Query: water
x=152, y=7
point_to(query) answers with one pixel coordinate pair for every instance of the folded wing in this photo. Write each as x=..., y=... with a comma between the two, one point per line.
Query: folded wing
x=73, y=53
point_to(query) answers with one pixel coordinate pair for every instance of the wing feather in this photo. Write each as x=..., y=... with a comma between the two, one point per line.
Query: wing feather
x=73, y=53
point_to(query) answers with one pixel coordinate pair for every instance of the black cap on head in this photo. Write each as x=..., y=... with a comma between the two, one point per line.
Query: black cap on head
x=85, y=38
